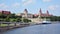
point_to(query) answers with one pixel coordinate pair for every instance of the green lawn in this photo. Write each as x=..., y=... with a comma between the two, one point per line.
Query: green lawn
x=3, y=25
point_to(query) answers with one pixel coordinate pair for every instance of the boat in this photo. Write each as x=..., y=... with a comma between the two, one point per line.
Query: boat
x=46, y=22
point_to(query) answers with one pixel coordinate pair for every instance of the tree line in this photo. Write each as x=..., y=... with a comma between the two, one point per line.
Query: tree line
x=52, y=18
x=12, y=18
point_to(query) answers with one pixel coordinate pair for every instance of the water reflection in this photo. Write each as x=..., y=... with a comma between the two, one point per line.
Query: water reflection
x=37, y=29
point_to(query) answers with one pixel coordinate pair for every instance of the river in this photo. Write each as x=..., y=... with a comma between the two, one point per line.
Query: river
x=36, y=29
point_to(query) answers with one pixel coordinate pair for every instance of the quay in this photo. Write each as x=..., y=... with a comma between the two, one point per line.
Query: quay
x=12, y=25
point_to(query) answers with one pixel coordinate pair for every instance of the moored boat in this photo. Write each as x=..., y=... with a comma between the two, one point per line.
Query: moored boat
x=46, y=22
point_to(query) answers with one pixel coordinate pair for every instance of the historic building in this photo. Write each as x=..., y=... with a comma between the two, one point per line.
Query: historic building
x=5, y=12
x=44, y=14
x=28, y=15
x=25, y=14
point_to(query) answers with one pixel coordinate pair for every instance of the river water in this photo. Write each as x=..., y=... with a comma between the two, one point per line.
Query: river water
x=36, y=29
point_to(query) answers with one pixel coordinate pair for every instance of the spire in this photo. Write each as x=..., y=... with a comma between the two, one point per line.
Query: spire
x=40, y=11
x=47, y=12
x=25, y=11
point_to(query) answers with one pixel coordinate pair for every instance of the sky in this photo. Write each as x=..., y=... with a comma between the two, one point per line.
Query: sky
x=33, y=6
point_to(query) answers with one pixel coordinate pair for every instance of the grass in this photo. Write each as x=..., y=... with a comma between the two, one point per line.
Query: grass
x=3, y=25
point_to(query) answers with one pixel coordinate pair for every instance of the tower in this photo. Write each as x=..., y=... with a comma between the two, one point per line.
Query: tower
x=40, y=12
x=26, y=13
x=47, y=12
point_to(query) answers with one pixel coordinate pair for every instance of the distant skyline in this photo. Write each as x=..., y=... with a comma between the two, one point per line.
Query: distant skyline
x=33, y=6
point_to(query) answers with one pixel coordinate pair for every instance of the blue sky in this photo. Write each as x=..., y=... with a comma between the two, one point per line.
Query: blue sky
x=33, y=6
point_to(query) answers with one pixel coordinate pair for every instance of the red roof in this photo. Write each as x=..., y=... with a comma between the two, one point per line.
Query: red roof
x=35, y=14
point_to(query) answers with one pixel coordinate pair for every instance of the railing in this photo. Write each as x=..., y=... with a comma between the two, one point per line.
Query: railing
x=10, y=26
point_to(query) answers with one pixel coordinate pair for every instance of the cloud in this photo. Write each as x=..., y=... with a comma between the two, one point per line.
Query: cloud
x=26, y=2
x=15, y=5
x=53, y=7
x=2, y=5
x=46, y=0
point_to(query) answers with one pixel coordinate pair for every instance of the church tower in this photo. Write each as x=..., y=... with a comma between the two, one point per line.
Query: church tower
x=26, y=13
x=40, y=12
x=47, y=13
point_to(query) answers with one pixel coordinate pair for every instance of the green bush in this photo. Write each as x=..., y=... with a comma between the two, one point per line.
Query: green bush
x=26, y=20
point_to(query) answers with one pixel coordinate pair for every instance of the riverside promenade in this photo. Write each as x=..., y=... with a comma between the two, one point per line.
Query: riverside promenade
x=36, y=29
x=4, y=26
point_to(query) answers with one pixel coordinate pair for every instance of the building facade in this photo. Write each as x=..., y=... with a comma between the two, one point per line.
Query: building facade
x=44, y=14
x=28, y=15
x=25, y=14
x=5, y=12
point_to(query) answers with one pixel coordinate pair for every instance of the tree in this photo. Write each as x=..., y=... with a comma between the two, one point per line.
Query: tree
x=29, y=20
x=26, y=20
x=12, y=15
x=7, y=19
x=18, y=20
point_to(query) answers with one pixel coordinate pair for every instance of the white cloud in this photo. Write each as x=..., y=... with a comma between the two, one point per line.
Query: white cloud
x=53, y=7
x=46, y=0
x=26, y=2
x=15, y=5
x=3, y=6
